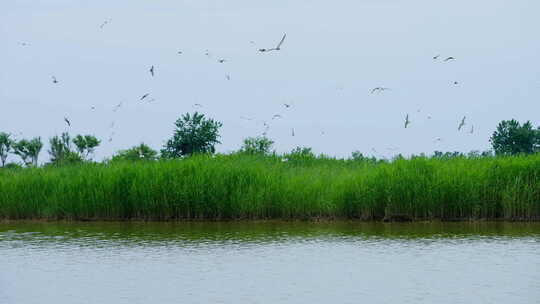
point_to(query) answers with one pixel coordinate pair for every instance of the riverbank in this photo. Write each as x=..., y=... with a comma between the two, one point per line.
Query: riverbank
x=231, y=187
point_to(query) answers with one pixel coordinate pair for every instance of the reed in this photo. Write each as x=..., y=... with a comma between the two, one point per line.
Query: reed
x=257, y=187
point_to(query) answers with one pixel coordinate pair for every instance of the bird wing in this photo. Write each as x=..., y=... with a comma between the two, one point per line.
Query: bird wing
x=281, y=42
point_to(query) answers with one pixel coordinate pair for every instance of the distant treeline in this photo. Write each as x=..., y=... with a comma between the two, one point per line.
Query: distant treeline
x=196, y=134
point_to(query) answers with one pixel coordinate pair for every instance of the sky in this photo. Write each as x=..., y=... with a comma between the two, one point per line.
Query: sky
x=335, y=53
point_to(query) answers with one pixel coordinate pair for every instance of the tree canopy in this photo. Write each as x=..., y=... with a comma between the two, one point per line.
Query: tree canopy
x=512, y=138
x=140, y=152
x=257, y=145
x=194, y=133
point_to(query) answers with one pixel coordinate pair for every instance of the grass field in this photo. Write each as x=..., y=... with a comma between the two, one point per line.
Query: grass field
x=257, y=187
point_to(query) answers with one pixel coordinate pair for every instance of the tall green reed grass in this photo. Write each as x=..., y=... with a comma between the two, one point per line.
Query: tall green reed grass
x=258, y=187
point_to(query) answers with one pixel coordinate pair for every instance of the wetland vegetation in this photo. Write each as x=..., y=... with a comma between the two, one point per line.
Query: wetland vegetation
x=188, y=181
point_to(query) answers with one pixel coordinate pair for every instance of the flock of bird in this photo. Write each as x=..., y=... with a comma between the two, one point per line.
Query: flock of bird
x=146, y=97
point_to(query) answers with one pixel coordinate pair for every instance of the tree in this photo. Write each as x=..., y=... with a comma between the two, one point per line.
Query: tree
x=28, y=150
x=140, y=152
x=257, y=145
x=512, y=138
x=61, y=151
x=85, y=145
x=193, y=134
x=358, y=156
x=300, y=154
x=5, y=147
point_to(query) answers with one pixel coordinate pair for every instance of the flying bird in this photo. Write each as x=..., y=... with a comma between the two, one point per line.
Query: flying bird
x=462, y=123
x=105, y=23
x=197, y=105
x=144, y=96
x=111, y=136
x=24, y=44
x=222, y=60
x=228, y=77
x=277, y=48
x=180, y=52
x=437, y=139
x=456, y=83
x=92, y=107
x=436, y=57
x=449, y=58
x=407, y=121
x=117, y=106
x=54, y=80
x=292, y=131
x=67, y=121
x=287, y=105
x=276, y=116
x=151, y=71
x=379, y=89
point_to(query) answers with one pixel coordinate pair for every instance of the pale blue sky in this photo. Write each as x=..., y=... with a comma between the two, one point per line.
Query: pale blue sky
x=334, y=54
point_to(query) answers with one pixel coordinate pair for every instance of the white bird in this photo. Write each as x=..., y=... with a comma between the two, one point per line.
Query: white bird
x=54, y=80
x=436, y=57
x=151, y=71
x=67, y=121
x=104, y=23
x=277, y=48
x=117, y=106
x=379, y=89
x=228, y=77
x=287, y=105
x=407, y=121
x=449, y=58
x=144, y=96
x=462, y=123
x=276, y=116
x=222, y=60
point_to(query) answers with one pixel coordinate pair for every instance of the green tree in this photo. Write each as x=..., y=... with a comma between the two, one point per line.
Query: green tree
x=86, y=145
x=512, y=138
x=358, y=156
x=257, y=145
x=61, y=151
x=300, y=154
x=28, y=150
x=140, y=152
x=193, y=134
x=5, y=146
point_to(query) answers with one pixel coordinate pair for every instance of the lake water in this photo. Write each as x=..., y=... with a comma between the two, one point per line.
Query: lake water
x=269, y=262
